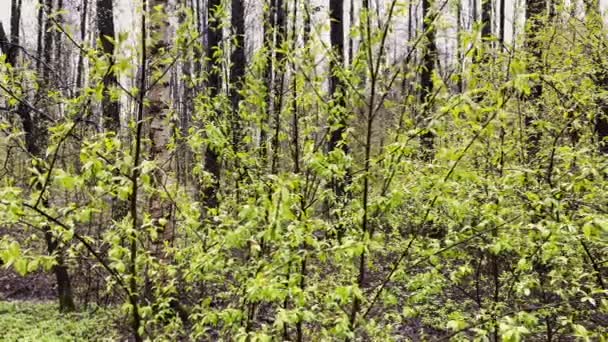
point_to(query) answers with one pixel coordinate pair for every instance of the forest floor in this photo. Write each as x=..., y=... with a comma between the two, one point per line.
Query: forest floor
x=29, y=313
x=37, y=286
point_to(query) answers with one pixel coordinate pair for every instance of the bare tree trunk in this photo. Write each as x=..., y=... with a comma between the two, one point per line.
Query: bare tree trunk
x=57, y=36
x=429, y=58
x=486, y=19
x=534, y=10
x=40, y=33
x=336, y=14
x=13, y=50
x=351, y=42
x=501, y=23
x=459, y=48
x=237, y=67
x=279, y=26
x=83, y=34
x=214, y=84
x=36, y=135
x=36, y=147
x=336, y=89
x=594, y=17
x=105, y=26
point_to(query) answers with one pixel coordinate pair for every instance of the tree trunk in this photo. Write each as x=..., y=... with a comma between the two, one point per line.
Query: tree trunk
x=83, y=34
x=36, y=135
x=336, y=13
x=278, y=75
x=237, y=67
x=600, y=123
x=534, y=10
x=105, y=26
x=214, y=84
x=336, y=90
x=501, y=24
x=13, y=50
x=486, y=19
x=429, y=58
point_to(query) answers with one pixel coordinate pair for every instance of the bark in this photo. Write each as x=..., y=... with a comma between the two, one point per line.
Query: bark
x=429, y=58
x=336, y=12
x=278, y=75
x=57, y=35
x=501, y=23
x=4, y=42
x=237, y=67
x=105, y=26
x=486, y=19
x=159, y=96
x=47, y=50
x=13, y=50
x=36, y=135
x=534, y=10
x=40, y=26
x=351, y=42
x=600, y=78
x=336, y=90
x=214, y=84
x=274, y=32
x=459, y=48
x=83, y=33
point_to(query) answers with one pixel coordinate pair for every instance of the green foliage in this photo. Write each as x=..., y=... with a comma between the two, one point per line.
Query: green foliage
x=29, y=322
x=497, y=230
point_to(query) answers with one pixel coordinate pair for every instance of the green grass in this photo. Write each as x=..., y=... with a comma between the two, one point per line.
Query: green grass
x=42, y=322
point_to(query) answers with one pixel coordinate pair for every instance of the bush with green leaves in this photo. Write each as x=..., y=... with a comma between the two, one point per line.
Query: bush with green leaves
x=498, y=231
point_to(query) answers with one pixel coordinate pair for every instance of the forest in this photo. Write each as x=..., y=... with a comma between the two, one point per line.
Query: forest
x=303, y=170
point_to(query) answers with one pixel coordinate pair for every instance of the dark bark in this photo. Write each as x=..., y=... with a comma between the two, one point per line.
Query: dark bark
x=351, y=42
x=36, y=135
x=534, y=11
x=269, y=15
x=214, y=84
x=64, y=285
x=237, y=67
x=57, y=35
x=13, y=50
x=4, y=42
x=105, y=26
x=486, y=19
x=501, y=23
x=336, y=13
x=133, y=293
x=429, y=58
x=459, y=48
x=40, y=26
x=83, y=32
x=336, y=90
x=600, y=78
x=278, y=74
x=47, y=50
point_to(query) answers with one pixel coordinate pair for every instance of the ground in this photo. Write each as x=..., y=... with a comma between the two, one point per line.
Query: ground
x=30, y=321
x=29, y=313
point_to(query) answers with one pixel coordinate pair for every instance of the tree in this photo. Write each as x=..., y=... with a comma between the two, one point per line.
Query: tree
x=36, y=135
x=600, y=78
x=486, y=19
x=214, y=86
x=237, y=67
x=107, y=37
x=452, y=226
x=429, y=58
x=336, y=89
x=534, y=12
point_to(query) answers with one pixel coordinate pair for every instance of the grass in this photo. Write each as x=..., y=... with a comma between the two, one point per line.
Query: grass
x=42, y=322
